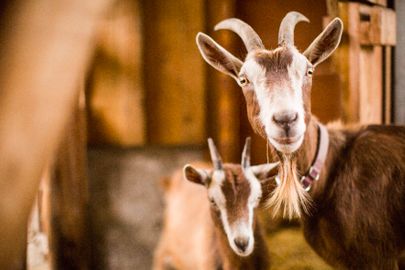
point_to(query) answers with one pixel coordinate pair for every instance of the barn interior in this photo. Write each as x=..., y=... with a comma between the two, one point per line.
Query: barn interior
x=129, y=100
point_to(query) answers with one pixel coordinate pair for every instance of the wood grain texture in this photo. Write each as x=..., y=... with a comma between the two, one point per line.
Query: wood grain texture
x=115, y=84
x=69, y=230
x=361, y=68
x=224, y=95
x=388, y=72
x=174, y=72
x=371, y=85
x=377, y=26
x=349, y=51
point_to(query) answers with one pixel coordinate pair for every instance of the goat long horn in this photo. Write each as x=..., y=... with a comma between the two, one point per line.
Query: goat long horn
x=215, y=157
x=287, y=26
x=246, y=154
x=249, y=37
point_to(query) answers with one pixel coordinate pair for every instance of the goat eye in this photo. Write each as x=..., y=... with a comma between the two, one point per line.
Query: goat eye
x=310, y=72
x=243, y=81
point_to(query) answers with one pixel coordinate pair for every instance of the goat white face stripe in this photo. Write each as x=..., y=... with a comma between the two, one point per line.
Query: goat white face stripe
x=215, y=192
x=242, y=228
x=284, y=95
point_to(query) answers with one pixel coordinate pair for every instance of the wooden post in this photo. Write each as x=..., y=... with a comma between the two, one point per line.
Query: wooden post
x=115, y=92
x=46, y=52
x=174, y=78
x=367, y=30
x=70, y=240
x=223, y=94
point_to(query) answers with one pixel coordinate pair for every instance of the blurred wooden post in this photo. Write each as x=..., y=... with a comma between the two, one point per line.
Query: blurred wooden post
x=174, y=78
x=115, y=92
x=224, y=94
x=69, y=216
x=365, y=58
x=46, y=52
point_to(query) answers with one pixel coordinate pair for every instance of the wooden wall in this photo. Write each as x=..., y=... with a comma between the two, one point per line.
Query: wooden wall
x=174, y=72
x=365, y=58
x=115, y=92
x=149, y=84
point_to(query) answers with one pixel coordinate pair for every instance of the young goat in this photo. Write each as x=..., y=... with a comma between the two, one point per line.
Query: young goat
x=351, y=195
x=221, y=232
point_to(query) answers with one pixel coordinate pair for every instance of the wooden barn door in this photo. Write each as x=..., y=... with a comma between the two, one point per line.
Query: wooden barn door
x=365, y=61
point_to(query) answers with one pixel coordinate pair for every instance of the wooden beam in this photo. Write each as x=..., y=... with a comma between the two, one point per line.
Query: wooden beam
x=377, y=25
x=223, y=92
x=349, y=51
x=361, y=60
x=70, y=239
x=387, y=85
x=46, y=52
x=174, y=72
x=115, y=84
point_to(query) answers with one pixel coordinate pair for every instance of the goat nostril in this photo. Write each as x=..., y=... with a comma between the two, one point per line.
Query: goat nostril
x=241, y=243
x=285, y=118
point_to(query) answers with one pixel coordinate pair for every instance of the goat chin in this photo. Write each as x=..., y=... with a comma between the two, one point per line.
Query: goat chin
x=289, y=197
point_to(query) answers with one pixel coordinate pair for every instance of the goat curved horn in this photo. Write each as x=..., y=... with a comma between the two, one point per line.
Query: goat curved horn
x=246, y=154
x=287, y=26
x=249, y=37
x=215, y=157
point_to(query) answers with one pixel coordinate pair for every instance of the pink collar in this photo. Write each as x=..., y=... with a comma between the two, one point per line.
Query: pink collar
x=322, y=151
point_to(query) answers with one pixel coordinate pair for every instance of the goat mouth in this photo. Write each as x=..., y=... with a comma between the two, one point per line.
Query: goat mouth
x=241, y=253
x=287, y=140
x=287, y=145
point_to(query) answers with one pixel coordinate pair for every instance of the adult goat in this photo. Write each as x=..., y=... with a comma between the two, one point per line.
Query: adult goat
x=346, y=184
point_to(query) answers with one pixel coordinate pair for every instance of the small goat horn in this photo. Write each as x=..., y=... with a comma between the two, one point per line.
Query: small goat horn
x=246, y=154
x=287, y=26
x=249, y=37
x=215, y=157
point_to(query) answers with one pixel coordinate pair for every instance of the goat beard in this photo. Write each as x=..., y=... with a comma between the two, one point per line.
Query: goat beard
x=289, y=197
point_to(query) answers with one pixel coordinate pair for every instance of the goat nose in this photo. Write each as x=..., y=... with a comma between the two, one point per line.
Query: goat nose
x=285, y=118
x=241, y=243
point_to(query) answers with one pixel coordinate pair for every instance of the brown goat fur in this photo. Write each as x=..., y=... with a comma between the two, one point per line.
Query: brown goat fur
x=358, y=220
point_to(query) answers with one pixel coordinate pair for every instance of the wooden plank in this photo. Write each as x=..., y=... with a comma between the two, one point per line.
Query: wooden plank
x=376, y=2
x=174, y=72
x=377, y=25
x=370, y=85
x=224, y=95
x=70, y=239
x=332, y=7
x=360, y=69
x=399, y=67
x=387, y=85
x=115, y=84
x=46, y=53
x=349, y=61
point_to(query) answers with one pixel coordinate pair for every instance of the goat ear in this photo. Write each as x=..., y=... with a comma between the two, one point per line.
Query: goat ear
x=325, y=43
x=265, y=171
x=217, y=56
x=194, y=175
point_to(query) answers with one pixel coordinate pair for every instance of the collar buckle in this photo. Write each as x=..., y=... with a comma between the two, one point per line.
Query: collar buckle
x=306, y=182
x=314, y=173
